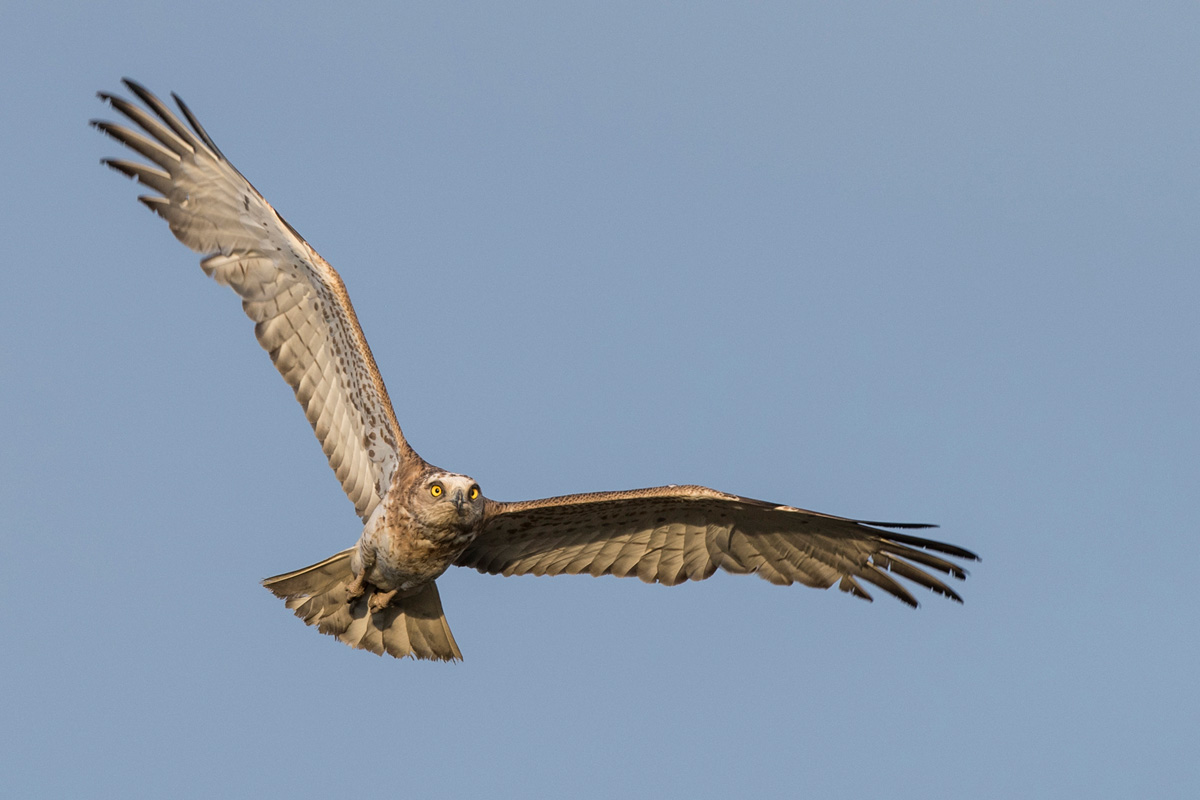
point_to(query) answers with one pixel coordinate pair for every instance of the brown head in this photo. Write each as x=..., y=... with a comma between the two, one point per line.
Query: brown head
x=446, y=501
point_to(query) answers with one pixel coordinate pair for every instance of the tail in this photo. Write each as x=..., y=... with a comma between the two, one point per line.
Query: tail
x=411, y=626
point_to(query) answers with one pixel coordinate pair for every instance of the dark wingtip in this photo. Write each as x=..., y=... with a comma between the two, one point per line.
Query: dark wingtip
x=134, y=86
x=960, y=552
x=108, y=162
x=900, y=525
x=930, y=544
x=141, y=92
x=947, y=592
x=196, y=126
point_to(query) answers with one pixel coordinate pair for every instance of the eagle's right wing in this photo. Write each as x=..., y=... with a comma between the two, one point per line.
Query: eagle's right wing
x=302, y=313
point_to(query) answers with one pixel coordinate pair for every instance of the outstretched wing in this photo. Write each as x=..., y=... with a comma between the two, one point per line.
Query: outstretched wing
x=670, y=534
x=302, y=313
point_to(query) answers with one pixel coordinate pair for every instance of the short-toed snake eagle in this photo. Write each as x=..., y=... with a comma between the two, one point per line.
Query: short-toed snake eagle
x=381, y=594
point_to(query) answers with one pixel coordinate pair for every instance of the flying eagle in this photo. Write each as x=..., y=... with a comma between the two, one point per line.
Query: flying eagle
x=381, y=594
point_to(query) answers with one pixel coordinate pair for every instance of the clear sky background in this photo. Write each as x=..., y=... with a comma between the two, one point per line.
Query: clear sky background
x=927, y=262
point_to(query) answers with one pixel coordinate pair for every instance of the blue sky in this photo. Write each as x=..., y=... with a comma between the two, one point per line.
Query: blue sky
x=929, y=262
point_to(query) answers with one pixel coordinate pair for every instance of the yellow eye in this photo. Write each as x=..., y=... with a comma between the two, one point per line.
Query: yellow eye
x=436, y=490
x=474, y=492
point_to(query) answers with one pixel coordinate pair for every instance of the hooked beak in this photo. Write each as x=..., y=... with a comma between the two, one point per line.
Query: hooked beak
x=460, y=501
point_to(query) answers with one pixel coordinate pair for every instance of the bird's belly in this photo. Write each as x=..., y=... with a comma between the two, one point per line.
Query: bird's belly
x=407, y=561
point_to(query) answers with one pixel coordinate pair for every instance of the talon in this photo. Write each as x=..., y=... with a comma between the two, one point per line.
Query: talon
x=379, y=601
x=356, y=588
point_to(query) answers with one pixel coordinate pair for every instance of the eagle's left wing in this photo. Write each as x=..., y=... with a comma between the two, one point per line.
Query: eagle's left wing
x=302, y=313
x=670, y=534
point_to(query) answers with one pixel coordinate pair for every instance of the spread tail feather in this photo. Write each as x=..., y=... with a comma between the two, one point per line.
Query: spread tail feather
x=412, y=625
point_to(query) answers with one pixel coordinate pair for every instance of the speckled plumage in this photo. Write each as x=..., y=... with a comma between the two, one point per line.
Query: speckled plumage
x=381, y=595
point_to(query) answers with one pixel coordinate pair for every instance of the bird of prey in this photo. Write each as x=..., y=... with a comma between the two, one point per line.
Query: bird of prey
x=418, y=520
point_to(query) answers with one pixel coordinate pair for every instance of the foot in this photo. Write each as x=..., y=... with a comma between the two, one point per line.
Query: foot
x=379, y=601
x=356, y=588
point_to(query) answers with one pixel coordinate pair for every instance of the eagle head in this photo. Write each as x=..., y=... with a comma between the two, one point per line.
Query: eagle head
x=448, y=502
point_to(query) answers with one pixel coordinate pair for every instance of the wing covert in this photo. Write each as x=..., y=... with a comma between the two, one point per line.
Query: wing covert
x=302, y=313
x=670, y=534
